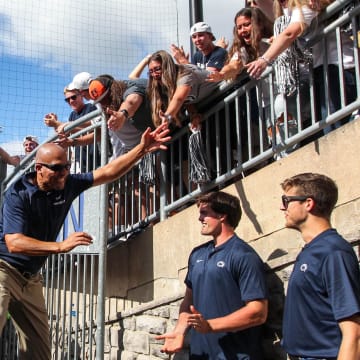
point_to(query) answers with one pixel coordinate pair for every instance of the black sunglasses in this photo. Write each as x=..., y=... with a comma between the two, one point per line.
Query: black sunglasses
x=72, y=97
x=288, y=199
x=56, y=167
x=154, y=70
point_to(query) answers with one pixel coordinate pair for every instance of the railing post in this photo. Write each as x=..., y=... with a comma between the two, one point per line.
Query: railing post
x=3, y=170
x=163, y=188
x=100, y=318
x=196, y=15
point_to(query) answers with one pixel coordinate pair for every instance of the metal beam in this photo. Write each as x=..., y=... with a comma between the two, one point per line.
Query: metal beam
x=196, y=15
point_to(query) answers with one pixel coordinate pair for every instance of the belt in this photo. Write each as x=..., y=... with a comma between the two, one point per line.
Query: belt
x=25, y=274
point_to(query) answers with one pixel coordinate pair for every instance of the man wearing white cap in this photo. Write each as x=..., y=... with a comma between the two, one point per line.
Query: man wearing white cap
x=30, y=142
x=81, y=83
x=208, y=55
x=86, y=158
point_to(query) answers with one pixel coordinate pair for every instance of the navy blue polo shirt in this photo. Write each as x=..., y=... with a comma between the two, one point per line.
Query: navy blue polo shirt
x=324, y=288
x=91, y=148
x=215, y=59
x=37, y=214
x=222, y=280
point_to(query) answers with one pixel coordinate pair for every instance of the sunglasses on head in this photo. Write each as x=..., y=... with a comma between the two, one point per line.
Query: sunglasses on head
x=56, y=167
x=72, y=97
x=288, y=199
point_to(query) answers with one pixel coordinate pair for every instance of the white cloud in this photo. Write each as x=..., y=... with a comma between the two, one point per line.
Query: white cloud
x=102, y=36
x=98, y=35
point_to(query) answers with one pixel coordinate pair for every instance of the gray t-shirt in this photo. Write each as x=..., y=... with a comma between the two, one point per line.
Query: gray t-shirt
x=196, y=79
x=129, y=135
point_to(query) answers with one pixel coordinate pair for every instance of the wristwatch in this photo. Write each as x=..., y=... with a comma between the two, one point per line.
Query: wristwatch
x=125, y=112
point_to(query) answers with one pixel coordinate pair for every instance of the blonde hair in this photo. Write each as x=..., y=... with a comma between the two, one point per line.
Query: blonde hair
x=317, y=5
x=66, y=90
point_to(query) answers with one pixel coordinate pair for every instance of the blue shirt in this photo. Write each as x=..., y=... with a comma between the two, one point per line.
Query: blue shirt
x=324, y=288
x=215, y=59
x=37, y=214
x=222, y=280
x=91, y=149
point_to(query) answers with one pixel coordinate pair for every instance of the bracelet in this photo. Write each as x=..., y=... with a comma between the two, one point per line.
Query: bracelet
x=268, y=62
x=125, y=112
x=169, y=118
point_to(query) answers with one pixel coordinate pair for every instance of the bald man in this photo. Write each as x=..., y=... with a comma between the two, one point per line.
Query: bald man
x=34, y=209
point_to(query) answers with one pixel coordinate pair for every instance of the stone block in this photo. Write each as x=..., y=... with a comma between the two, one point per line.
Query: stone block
x=155, y=351
x=162, y=311
x=174, y=312
x=136, y=341
x=128, y=355
x=150, y=324
x=114, y=354
x=129, y=323
x=115, y=336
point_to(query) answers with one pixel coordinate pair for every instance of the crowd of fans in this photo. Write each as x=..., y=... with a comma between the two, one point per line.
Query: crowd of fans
x=177, y=84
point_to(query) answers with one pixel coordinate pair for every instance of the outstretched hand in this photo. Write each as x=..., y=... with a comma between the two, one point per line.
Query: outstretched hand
x=179, y=54
x=156, y=139
x=60, y=129
x=222, y=42
x=197, y=321
x=116, y=120
x=173, y=342
x=51, y=120
x=64, y=141
x=215, y=76
x=256, y=68
x=75, y=239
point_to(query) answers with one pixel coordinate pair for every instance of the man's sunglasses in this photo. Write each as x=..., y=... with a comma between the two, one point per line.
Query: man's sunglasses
x=73, y=97
x=288, y=199
x=56, y=167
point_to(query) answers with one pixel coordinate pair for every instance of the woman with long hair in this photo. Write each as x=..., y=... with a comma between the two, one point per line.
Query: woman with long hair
x=173, y=88
x=251, y=34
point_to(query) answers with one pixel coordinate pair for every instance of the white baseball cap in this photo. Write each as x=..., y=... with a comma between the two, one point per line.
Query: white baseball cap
x=201, y=27
x=80, y=81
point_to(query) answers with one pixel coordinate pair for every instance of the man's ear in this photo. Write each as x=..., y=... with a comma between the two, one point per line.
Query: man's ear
x=310, y=204
x=222, y=217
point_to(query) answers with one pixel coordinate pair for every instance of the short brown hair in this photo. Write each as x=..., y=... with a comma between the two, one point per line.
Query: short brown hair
x=224, y=204
x=317, y=186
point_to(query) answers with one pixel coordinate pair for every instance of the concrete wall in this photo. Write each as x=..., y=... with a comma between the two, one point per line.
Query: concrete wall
x=150, y=270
